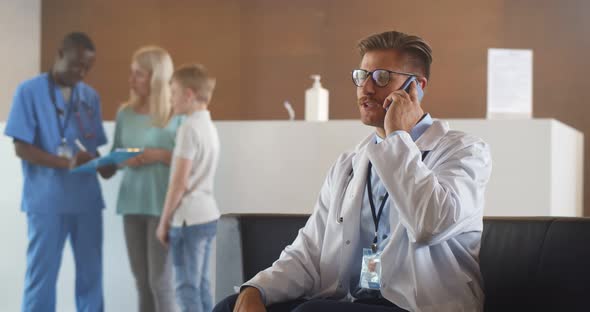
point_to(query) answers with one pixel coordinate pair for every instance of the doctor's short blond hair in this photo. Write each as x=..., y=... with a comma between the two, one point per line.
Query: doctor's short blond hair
x=196, y=78
x=417, y=50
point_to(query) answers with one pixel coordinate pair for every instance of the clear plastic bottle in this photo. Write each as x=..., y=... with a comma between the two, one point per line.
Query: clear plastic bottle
x=316, y=101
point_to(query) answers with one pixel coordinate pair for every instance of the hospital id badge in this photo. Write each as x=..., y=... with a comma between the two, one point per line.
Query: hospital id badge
x=63, y=150
x=371, y=269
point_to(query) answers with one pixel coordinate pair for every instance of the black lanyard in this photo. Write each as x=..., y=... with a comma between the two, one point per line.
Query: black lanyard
x=58, y=112
x=377, y=214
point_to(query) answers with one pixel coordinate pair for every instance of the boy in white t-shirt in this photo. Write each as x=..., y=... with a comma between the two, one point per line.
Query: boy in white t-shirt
x=189, y=221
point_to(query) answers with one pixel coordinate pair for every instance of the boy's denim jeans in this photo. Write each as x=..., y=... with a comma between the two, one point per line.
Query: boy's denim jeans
x=191, y=250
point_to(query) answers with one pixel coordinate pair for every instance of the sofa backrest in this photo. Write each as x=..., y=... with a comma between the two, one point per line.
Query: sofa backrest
x=525, y=262
x=249, y=243
x=539, y=262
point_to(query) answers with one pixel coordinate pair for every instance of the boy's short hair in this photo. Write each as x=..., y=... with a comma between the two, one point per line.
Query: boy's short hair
x=196, y=78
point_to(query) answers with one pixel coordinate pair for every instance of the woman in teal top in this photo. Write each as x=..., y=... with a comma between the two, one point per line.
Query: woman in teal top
x=146, y=121
x=144, y=185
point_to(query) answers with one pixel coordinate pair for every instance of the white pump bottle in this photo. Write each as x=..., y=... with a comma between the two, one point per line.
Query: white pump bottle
x=316, y=101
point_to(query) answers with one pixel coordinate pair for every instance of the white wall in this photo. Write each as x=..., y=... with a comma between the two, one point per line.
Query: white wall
x=20, y=46
x=20, y=54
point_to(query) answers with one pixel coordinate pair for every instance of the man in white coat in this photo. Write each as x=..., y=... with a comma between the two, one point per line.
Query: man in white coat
x=398, y=222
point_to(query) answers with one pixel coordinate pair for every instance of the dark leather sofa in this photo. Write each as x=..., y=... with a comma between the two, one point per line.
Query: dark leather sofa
x=528, y=264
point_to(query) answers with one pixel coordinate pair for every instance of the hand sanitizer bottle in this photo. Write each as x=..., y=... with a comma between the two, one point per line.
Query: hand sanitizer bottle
x=316, y=101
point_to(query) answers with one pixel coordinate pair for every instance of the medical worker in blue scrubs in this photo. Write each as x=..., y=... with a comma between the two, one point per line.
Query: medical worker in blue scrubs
x=48, y=114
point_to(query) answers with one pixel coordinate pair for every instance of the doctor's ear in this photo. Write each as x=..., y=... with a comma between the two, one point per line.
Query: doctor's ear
x=422, y=81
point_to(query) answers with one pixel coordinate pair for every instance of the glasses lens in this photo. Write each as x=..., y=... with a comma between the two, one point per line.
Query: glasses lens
x=359, y=76
x=381, y=77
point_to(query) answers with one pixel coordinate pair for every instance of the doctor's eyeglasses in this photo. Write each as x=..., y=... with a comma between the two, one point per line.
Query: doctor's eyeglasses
x=381, y=77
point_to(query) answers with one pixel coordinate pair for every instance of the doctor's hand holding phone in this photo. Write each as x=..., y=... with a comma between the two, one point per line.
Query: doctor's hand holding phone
x=403, y=106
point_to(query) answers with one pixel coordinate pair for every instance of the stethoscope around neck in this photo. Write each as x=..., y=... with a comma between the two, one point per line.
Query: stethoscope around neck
x=91, y=134
x=73, y=107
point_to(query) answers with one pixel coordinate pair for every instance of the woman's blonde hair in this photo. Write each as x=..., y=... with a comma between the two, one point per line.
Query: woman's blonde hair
x=158, y=63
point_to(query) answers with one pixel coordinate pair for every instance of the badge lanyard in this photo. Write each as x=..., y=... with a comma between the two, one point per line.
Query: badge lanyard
x=58, y=112
x=370, y=276
x=376, y=214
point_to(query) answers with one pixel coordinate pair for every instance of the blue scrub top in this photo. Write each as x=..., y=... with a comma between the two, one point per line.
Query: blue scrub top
x=33, y=120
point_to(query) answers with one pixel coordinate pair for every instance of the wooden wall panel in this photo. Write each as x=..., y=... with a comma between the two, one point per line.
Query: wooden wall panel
x=263, y=51
x=280, y=51
x=192, y=31
x=207, y=33
x=459, y=31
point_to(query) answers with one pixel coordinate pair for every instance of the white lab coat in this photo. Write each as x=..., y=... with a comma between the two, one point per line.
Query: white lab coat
x=436, y=211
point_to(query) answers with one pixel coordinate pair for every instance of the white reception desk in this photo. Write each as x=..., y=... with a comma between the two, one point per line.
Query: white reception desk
x=278, y=167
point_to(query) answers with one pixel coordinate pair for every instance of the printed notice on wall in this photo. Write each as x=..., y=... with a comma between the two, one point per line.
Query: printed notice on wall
x=510, y=83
